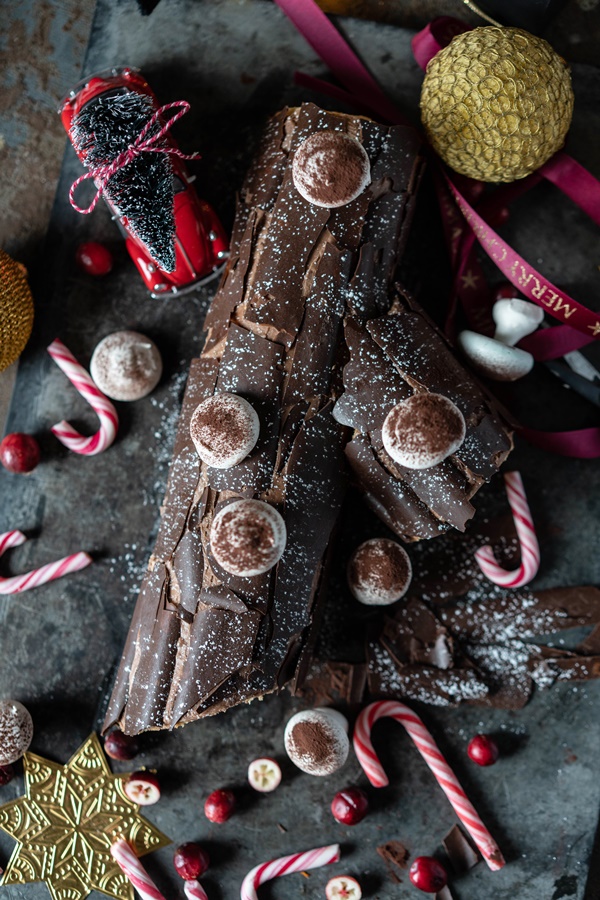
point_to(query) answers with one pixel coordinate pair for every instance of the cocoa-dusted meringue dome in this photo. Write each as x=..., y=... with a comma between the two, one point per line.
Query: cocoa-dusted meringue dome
x=224, y=429
x=247, y=537
x=379, y=572
x=316, y=741
x=331, y=169
x=16, y=731
x=423, y=430
x=126, y=365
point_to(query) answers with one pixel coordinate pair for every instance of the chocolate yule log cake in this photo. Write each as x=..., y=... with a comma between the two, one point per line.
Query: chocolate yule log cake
x=229, y=606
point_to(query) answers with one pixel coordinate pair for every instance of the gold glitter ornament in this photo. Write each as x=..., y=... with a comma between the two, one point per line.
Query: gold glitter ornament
x=16, y=310
x=68, y=820
x=496, y=103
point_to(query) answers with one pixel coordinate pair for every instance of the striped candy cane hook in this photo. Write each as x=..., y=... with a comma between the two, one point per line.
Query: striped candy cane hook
x=16, y=584
x=430, y=752
x=530, y=549
x=79, y=378
x=285, y=865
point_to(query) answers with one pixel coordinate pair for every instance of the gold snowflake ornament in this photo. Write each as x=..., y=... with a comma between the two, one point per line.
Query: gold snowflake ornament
x=68, y=820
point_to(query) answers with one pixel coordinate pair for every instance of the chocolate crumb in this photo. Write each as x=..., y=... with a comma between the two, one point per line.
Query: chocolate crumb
x=395, y=855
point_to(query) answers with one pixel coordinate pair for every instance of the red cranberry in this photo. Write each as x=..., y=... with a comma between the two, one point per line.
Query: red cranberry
x=143, y=788
x=349, y=807
x=191, y=861
x=94, y=258
x=120, y=746
x=483, y=750
x=19, y=453
x=505, y=291
x=7, y=773
x=427, y=874
x=219, y=806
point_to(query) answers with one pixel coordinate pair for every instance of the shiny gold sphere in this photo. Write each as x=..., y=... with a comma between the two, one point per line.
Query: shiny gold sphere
x=496, y=103
x=16, y=310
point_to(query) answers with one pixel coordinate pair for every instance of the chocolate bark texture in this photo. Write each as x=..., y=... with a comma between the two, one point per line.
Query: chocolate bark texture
x=393, y=357
x=201, y=639
x=455, y=637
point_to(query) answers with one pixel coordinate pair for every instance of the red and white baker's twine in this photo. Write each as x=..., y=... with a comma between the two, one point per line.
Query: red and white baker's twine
x=194, y=890
x=436, y=762
x=530, y=549
x=16, y=584
x=130, y=865
x=103, y=174
x=79, y=378
x=285, y=865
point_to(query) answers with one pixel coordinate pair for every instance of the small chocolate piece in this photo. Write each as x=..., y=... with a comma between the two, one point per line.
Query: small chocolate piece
x=395, y=856
x=379, y=572
x=224, y=429
x=126, y=365
x=331, y=169
x=247, y=538
x=316, y=741
x=461, y=850
x=423, y=431
x=16, y=731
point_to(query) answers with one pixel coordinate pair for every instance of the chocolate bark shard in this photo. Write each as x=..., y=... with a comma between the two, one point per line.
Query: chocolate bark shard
x=274, y=335
x=461, y=850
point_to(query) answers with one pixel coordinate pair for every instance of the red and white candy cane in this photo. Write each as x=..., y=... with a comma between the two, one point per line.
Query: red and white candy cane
x=530, y=549
x=130, y=865
x=285, y=865
x=109, y=421
x=16, y=584
x=194, y=890
x=430, y=752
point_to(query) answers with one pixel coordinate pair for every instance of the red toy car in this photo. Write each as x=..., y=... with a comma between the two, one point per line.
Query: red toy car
x=201, y=245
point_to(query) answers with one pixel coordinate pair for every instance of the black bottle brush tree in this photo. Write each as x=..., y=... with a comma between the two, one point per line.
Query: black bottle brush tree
x=142, y=190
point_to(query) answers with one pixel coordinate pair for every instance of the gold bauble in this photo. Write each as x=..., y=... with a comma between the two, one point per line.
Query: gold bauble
x=496, y=103
x=16, y=310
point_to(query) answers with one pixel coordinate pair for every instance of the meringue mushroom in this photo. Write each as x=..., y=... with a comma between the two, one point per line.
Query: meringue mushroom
x=494, y=359
x=515, y=319
x=497, y=357
x=316, y=740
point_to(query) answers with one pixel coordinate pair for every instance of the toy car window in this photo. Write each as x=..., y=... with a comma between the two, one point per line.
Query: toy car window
x=178, y=185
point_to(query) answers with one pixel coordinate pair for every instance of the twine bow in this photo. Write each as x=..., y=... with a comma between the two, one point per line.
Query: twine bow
x=103, y=174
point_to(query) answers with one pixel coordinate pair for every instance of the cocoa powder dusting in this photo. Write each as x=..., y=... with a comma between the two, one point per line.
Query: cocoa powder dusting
x=312, y=740
x=331, y=169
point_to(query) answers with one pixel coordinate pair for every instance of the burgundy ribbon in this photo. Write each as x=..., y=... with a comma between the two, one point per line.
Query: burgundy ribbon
x=579, y=324
x=103, y=174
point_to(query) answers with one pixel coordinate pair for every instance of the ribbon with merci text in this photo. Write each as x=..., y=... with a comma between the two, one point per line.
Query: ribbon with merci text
x=361, y=87
x=142, y=144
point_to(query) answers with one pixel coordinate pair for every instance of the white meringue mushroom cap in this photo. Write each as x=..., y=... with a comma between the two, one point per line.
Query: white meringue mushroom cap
x=492, y=358
x=316, y=741
x=515, y=319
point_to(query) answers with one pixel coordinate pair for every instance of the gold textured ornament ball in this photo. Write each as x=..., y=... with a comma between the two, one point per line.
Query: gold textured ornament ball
x=496, y=103
x=16, y=310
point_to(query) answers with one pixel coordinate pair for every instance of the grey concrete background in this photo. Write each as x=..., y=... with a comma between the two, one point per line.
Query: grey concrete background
x=59, y=645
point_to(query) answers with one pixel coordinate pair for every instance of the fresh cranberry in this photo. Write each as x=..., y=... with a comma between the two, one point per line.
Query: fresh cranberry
x=120, y=746
x=427, y=874
x=191, y=861
x=94, y=258
x=19, y=453
x=349, y=807
x=505, y=291
x=7, y=773
x=219, y=806
x=483, y=750
x=143, y=788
